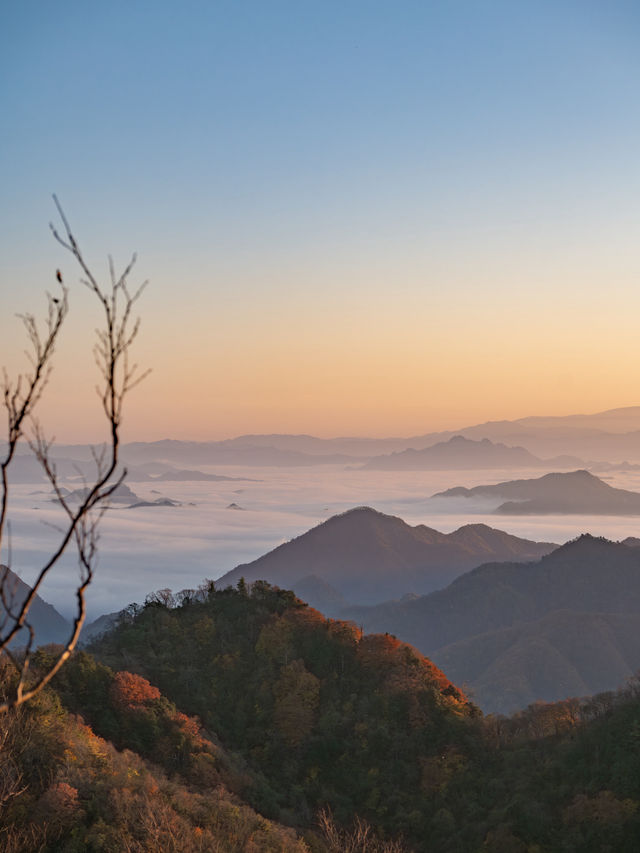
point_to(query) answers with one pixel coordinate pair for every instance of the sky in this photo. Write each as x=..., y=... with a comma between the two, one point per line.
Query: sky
x=357, y=218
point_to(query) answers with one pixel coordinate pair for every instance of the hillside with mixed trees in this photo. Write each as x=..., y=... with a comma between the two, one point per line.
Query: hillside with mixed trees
x=324, y=715
x=157, y=783
x=243, y=720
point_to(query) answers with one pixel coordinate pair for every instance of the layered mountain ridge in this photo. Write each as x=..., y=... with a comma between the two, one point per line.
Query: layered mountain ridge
x=571, y=493
x=48, y=624
x=519, y=633
x=460, y=453
x=367, y=556
x=612, y=436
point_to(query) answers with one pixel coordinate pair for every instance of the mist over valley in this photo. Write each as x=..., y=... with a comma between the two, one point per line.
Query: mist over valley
x=190, y=530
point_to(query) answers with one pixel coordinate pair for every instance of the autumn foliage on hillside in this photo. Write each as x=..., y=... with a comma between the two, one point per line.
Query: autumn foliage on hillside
x=63, y=788
x=323, y=716
x=209, y=717
x=369, y=731
x=130, y=691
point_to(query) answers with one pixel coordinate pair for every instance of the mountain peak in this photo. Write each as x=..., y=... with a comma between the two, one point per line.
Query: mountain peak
x=362, y=510
x=573, y=492
x=586, y=541
x=49, y=625
x=580, y=474
x=458, y=451
x=358, y=516
x=369, y=557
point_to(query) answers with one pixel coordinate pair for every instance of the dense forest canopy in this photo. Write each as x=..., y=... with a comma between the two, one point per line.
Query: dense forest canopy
x=241, y=719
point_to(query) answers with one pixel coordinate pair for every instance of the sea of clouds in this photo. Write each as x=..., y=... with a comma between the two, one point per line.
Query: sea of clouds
x=150, y=548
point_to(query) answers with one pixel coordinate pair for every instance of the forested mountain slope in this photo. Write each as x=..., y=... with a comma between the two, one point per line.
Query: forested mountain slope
x=166, y=787
x=515, y=633
x=324, y=715
x=321, y=721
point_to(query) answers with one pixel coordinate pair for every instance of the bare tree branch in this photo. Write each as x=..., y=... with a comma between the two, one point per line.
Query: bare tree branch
x=114, y=340
x=359, y=838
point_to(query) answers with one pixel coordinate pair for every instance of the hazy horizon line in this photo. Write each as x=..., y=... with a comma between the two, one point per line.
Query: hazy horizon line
x=359, y=437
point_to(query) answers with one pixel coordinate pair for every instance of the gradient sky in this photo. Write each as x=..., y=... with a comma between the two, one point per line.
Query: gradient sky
x=357, y=217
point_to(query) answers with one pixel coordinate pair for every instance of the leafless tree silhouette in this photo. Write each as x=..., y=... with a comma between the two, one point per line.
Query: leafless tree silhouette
x=360, y=838
x=118, y=376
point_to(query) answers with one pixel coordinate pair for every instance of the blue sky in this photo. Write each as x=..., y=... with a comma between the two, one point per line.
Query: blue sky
x=327, y=196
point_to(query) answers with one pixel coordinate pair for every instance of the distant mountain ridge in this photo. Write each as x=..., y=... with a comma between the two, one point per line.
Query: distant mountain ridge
x=367, y=556
x=609, y=436
x=27, y=470
x=575, y=492
x=227, y=452
x=563, y=653
x=48, y=624
x=612, y=435
x=516, y=633
x=460, y=453
x=122, y=494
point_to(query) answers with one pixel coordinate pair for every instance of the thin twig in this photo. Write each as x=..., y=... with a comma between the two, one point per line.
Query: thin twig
x=114, y=340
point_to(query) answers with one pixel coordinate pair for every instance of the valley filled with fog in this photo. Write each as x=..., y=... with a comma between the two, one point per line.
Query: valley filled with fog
x=217, y=525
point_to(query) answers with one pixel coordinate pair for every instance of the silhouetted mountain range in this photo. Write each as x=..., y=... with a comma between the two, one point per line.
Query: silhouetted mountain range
x=459, y=453
x=156, y=502
x=26, y=469
x=576, y=492
x=120, y=495
x=564, y=653
x=608, y=437
x=158, y=472
x=48, y=624
x=183, y=475
x=611, y=435
x=229, y=452
x=367, y=556
x=566, y=625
